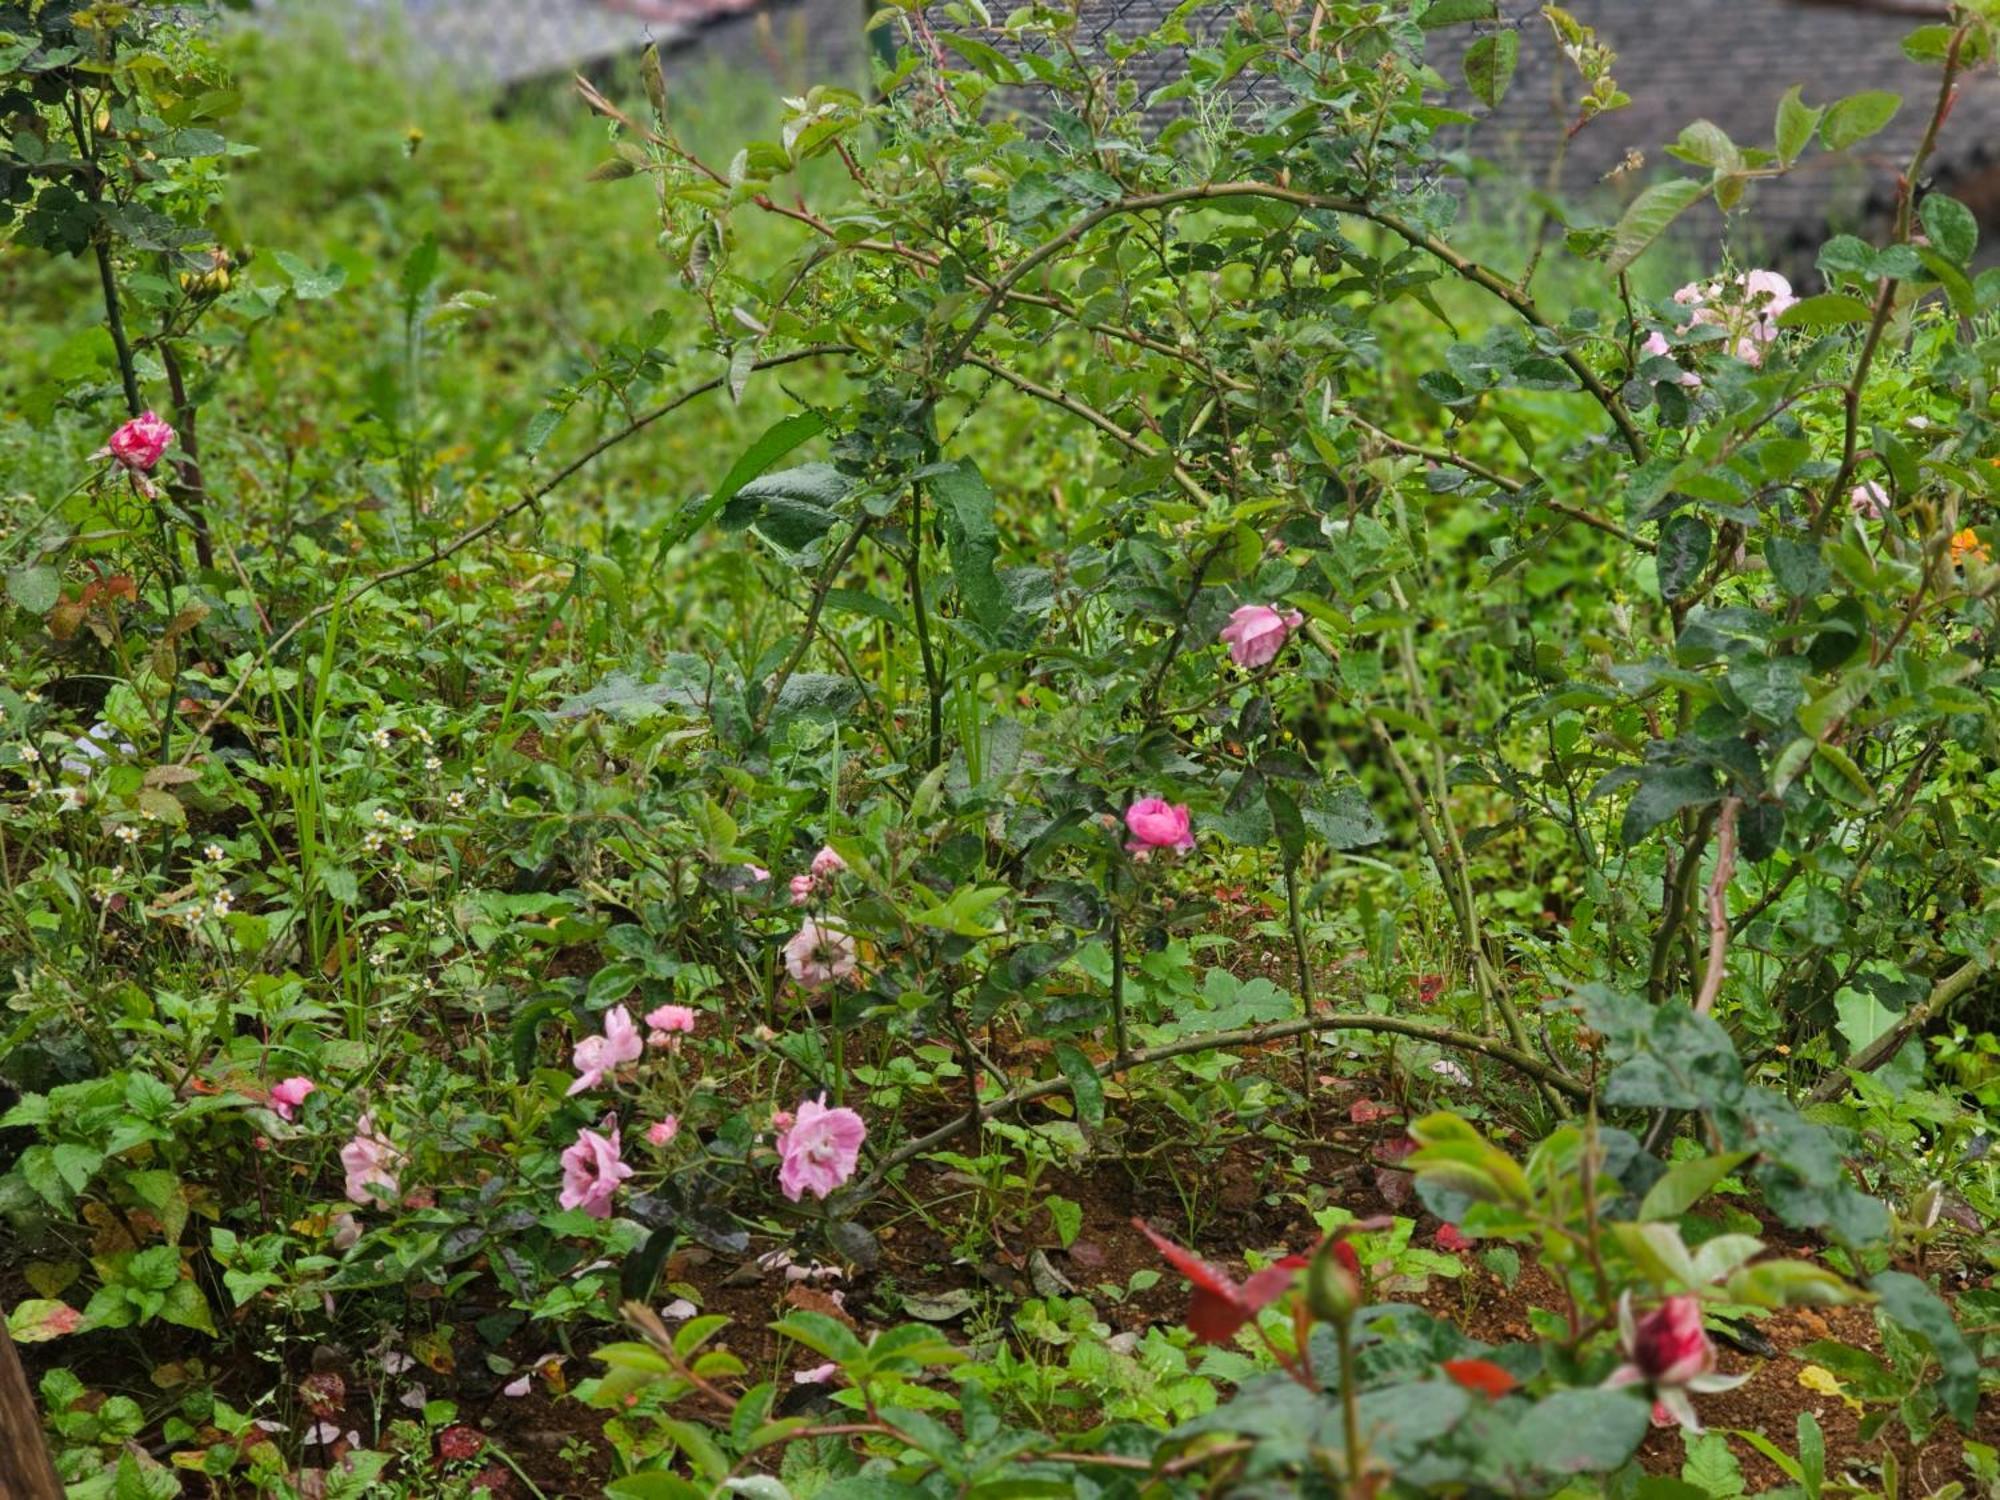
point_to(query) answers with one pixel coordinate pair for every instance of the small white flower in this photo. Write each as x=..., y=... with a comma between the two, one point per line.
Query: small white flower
x=422, y=734
x=383, y=817
x=30, y=754
x=125, y=833
x=213, y=853
x=454, y=800
x=219, y=907
x=432, y=763
x=407, y=832
x=382, y=738
x=373, y=843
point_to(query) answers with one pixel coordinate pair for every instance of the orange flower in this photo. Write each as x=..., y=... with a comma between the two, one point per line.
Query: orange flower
x=1966, y=544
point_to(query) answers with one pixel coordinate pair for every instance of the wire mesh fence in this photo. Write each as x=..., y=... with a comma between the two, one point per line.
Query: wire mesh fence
x=511, y=42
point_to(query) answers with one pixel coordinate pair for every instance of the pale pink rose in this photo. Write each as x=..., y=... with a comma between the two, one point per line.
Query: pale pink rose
x=817, y=1375
x=592, y=1170
x=826, y=863
x=802, y=889
x=1257, y=632
x=1768, y=296
x=820, y=1150
x=672, y=1018
x=288, y=1095
x=1869, y=500
x=596, y=1056
x=1656, y=347
x=757, y=873
x=819, y=952
x=662, y=1132
x=1668, y=1351
x=371, y=1164
x=140, y=442
x=1155, y=823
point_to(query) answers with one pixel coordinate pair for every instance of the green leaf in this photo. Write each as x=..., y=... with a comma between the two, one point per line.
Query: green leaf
x=1685, y=543
x=1796, y=123
x=1953, y=231
x=1665, y=791
x=780, y=438
x=1797, y=566
x=1914, y=1307
x=1086, y=1087
x=1855, y=118
x=1828, y=310
x=825, y=1336
x=1581, y=1431
x=965, y=510
x=1686, y=1183
x=1442, y=13
x=310, y=285
x=37, y=588
x=1649, y=216
x=1490, y=64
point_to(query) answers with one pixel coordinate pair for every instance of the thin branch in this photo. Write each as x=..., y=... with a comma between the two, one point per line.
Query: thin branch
x=1718, y=905
x=492, y=523
x=1224, y=1041
x=1944, y=994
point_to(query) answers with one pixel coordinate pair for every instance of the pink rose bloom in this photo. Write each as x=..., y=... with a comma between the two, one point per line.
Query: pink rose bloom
x=1155, y=823
x=820, y=1150
x=1769, y=297
x=287, y=1096
x=781, y=1119
x=1656, y=347
x=668, y=1025
x=140, y=442
x=592, y=1170
x=757, y=873
x=826, y=862
x=371, y=1164
x=1257, y=632
x=662, y=1132
x=1668, y=1351
x=802, y=889
x=1869, y=500
x=597, y=1055
x=818, y=953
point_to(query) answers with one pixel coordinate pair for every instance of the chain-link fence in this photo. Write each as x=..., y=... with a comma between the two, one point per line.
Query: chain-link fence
x=483, y=43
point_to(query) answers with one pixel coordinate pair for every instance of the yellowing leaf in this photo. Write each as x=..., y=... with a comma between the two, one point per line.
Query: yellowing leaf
x=1819, y=1379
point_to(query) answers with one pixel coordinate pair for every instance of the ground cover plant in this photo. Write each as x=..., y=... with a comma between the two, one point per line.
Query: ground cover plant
x=1019, y=789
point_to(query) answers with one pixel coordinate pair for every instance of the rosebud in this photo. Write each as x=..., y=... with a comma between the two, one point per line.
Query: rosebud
x=1333, y=1283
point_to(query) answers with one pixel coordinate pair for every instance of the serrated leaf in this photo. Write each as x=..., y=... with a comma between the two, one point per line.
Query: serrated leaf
x=1953, y=231
x=1796, y=123
x=1852, y=120
x=1443, y=13
x=1490, y=64
x=1649, y=217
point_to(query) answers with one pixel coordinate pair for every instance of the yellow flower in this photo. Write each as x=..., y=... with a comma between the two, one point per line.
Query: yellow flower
x=1966, y=544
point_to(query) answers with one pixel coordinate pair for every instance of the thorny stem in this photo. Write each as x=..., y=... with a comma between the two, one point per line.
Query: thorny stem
x=1517, y=1058
x=1308, y=1001
x=933, y=678
x=1679, y=894
x=1718, y=905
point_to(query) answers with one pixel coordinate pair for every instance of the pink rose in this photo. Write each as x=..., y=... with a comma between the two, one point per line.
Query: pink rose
x=371, y=1164
x=1656, y=347
x=802, y=889
x=662, y=1132
x=668, y=1024
x=592, y=1170
x=140, y=442
x=596, y=1056
x=757, y=873
x=1869, y=500
x=1155, y=823
x=820, y=1150
x=819, y=952
x=287, y=1096
x=1257, y=632
x=1668, y=1351
x=781, y=1119
x=826, y=863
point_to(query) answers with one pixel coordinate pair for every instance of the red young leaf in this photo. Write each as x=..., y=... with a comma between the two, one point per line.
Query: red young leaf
x=1368, y=1111
x=1450, y=1240
x=1219, y=1307
x=1480, y=1375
